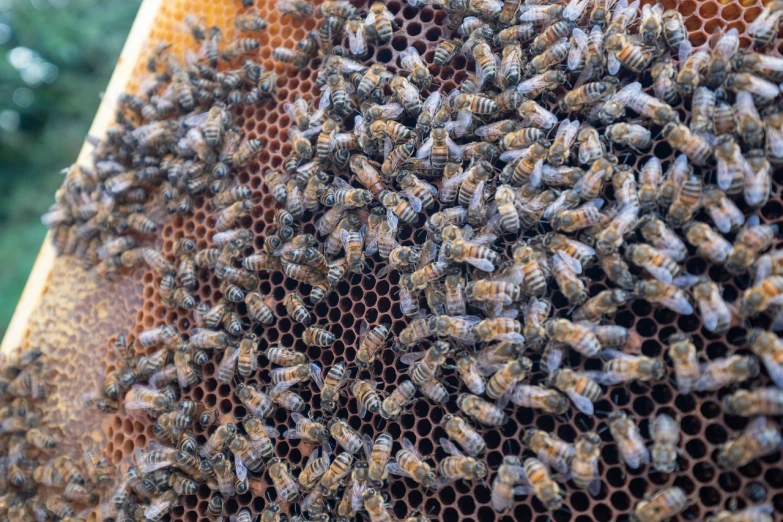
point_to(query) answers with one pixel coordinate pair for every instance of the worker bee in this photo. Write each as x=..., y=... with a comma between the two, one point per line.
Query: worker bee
x=141, y=397
x=406, y=94
x=623, y=368
x=378, y=454
x=657, y=234
x=338, y=470
x=696, y=148
x=762, y=513
x=445, y=51
x=375, y=506
x=284, y=483
x=256, y=402
x=559, y=152
x=582, y=391
x=345, y=435
x=763, y=90
x=751, y=240
x=666, y=435
x=669, y=296
x=761, y=296
x=542, y=485
x=762, y=401
x=769, y=349
x=296, y=308
x=260, y=308
x=686, y=365
x=366, y=396
x=457, y=466
x=722, y=372
x=480, y=410
x=392, y=406
x=501, y=384
x=469, y=373
x=260, y=436
x=509, y=474
x=564, y=269
x=757, y=440
x=603, y=304
x=584, y=462
x=577, y=336
x=663, y=505
x=315, y=336
x=411, y=465
x=549, y=449
x=709, y=244
x=723, y=212
x=296, y=8
x=757, y=178
x=629, y=441
x=714, y=311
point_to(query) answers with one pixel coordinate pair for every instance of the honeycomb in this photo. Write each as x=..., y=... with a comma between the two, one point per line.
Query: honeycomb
x=88, y=324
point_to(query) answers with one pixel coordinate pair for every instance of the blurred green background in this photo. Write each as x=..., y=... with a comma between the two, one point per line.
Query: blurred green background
x=56, y=57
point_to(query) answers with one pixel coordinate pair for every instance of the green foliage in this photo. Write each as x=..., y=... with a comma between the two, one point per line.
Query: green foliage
x=83, y=39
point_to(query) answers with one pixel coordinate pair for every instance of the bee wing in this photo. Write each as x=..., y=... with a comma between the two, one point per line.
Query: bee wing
x=462, y=123
x=612, y=64
x=482, y=264
x=357, y=494
x=709, y=314
x=581, y=403
x=627, y=93
x=774, y=369
x=392, y=468
x=595, y=486
x=414, y=200
x=356, y=41
x=514, y=155
x=241, y=469
x=370, y=19
x=292, y=434
x=315, y=375
x=411, y=357
x=196, y=120
x=158, y=506
x=553, y=356
x=725, y=176
x=573, y=264
x=271, y=431
x=677, y=302
x=367, y=444
x=537, y=174
x=574, y=10
x=449, y=185
x=450, y=448
x=659, y=273
x=576, y=52
x=425, y=149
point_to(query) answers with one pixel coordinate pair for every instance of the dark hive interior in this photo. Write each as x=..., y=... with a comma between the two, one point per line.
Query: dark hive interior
x=135, y=299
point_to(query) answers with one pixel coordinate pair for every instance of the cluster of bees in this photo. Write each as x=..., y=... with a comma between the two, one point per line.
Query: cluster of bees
x=30, y=457
x=525, y=178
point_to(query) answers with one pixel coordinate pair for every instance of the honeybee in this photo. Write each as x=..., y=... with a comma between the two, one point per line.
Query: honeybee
x=549, y=449
x=509, y=474
x=582, y=391
x=656, y=233
x=579, y=218
x=696, y=148
x=296, y=8
x=498, y=329
x=761, y=296
x=629, y=441
x=541, y=483
x=416, y=331
x=375, y=506
x=761, y=513
x=345, y=435
x=663, y=505
x=709, y=244
x=457, y=466
x=757, y=440
x=723, y=212
x=762, y=401
x=141, y=397
x=669, y=296
x=214, y=511
x=445, y=51
x=338, y=470
x=725, y=371
x=315, y=336
x=366, y=396
x=411, y=465
x=256, y=402
x=406, y=94
x=584, y=462
x=480, y=410
x=665, y=433
x=769, y=349
x=622, y=368
x=751, y=240
x=260, y=436
x=284, y=483
x=565, y=273
x=501, y=384
x=714, y=311
x=469, y=373
x=394, y=404
x=378, y=454
x=603, y=304
x=757, y=178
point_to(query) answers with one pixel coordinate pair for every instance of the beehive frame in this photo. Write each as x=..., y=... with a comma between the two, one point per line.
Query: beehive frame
x=51, y=280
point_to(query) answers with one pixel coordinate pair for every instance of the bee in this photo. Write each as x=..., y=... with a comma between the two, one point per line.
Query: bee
x=721, y=56
x=657, y=234
x=256, y=402
x=577, y=336
x=750, y=241
x=669, y=296
x=632, y=135
x=457, y=466
x=314, y=469
x=338, y=470
x=572, y=287
x=723, y=212
x=416, y=331
x=549, y=449
x=757, y=179
x=658, y=264
x=219, y=438
x=215, y=511
x=393, y=405
x=582, y=391
x=768, y=347
x=559, y=152
x=587, y=94
x=407, y=95
x=590, y=146
x=469, y=373
x=509, y=474
x=366, y=396
x=375, y=506
x=714, y=311
x=295, y=307
x=480, y=410
x=498, y=329
x=666, y=435
x=629, y=441
x=757, y=440
x=295, y=8
x=141, y=397
x=259, y=307
x=663, y=505
x=411, y=465
x=762, y=401
x=345, y=435
x=686, y=365
x=260, y=436
x=501, y=384
x=762, y=513
x=723, y=372
x=633, y=57
x=284, y=483
x=761, y=296
x=445, y=51
x=709, y=244
x=603, y=304
x=542, y=485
